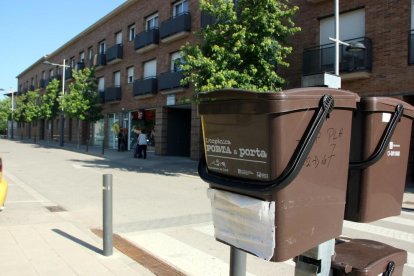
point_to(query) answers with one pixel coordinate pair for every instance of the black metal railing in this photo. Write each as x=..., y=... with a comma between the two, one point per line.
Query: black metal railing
x=146, y=86
x=100, y=60
x=206, y=19
x=42, y=83
x=80, y=65
x=114, y=53
x=411, y=48
x=113, y=94
x=174, y=25
x=170, y=80
x=68, y=73
x=146, y=38
x=321, y=58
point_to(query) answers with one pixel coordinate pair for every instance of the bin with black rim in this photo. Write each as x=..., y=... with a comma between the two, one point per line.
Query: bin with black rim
x=290, y=149
x=380, y=147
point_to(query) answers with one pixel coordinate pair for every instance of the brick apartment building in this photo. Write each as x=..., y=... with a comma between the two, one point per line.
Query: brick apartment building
x=133, y=49
x=140, y=42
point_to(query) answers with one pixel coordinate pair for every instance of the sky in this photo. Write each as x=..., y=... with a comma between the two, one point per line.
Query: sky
x=30, y=29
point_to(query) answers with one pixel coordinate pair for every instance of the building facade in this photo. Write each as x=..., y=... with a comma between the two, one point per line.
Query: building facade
x=133, y=50
x=385, y=68
x=134, y=47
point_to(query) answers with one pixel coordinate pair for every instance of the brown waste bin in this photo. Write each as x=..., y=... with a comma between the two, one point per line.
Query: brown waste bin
x=358, y=257
x=380, y=146
x=290, y=147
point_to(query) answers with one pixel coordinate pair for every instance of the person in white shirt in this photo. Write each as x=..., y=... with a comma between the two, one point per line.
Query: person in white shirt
x=142, y=145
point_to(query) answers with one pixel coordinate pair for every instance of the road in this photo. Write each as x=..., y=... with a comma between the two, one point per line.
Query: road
x=160, y=204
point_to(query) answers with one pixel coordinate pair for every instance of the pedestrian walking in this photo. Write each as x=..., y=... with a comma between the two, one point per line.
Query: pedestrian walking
x=142, y=145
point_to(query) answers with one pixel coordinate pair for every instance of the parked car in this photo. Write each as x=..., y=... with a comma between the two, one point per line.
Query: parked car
x=3, y=187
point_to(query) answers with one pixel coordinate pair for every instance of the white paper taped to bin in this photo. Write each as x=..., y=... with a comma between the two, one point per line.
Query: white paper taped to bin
x=244, y=222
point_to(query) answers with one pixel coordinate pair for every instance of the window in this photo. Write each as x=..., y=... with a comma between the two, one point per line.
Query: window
x=180, y=7
x=118, y=38
x=131, y=32
x=82, y=56
x=101, y=84
x=351, y=25
x=150, y=69
x=151, y=22
x=176, y=61
x=43, y=75
x=102, y=47
x=90, y=51
x=130, y=74
x=72, y=62
x=117, y=79
x=51, y=73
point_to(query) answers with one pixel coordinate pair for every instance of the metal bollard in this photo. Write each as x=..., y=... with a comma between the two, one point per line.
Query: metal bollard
x=237, y=262
x=107, y=215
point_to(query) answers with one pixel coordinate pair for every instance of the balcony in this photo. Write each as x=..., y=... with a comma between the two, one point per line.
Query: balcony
x=80, y=66
x=68, y=73
x=146, y=41
x=42, y=83
x=99, y=60
x=146, y=87
x=321, y=59
x=113, y=94
x=114, y=54
x=411, y=48
x=101, y=94
x=206, y=19
x=170, y=81
x=175, y=28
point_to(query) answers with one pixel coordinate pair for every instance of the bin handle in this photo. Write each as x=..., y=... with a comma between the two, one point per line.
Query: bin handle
x=382, y=144
x=292, y=169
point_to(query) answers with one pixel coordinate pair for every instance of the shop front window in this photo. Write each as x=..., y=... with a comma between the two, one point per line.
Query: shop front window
x=144, y=120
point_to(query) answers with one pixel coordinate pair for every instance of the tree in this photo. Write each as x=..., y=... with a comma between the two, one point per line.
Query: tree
x=243, y=48
x=82, y=100
x=5, y=114
x=32, y=108
x=50, y=104
x=20, y=103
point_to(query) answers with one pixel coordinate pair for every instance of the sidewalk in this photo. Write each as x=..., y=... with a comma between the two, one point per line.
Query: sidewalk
x=37, y=238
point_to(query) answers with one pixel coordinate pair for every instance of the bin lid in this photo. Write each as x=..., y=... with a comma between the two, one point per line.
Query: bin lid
x=367, y=255
x=385, y=104
x=239, y=101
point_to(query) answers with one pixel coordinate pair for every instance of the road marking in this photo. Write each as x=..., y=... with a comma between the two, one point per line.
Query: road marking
x=400, y=220
x=181, y=255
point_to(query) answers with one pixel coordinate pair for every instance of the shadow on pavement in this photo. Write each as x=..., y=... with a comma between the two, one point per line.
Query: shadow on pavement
x=78, y=241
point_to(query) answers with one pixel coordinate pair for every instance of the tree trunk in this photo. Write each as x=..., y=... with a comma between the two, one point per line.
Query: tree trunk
x=78, y=132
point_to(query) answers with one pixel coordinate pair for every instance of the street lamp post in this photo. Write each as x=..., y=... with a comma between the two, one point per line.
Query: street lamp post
x=62, y=114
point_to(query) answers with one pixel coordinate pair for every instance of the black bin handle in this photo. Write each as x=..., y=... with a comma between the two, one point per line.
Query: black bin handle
x=382, y=144
x=293, y=168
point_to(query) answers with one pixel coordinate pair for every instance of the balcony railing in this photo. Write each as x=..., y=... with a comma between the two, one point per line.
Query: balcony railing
x=175, y=27
x=411, y=48
x=114, y=54
x=101, y=94
x=42, y=83
x=68, y=74
x=206, y=19
x=145, y=87
x=146, y=40
x=321, y=58
x=80, y=66
x=113, y=94
x=99, y=60
x=170, y=80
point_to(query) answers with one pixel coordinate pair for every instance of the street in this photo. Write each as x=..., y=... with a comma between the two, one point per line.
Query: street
x=160, y=205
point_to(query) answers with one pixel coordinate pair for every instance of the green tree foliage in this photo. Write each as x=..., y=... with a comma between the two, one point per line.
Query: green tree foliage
x=49, y=103
x=5, y=114
x=243, y=48
x=82, y=100
x=32, y=110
